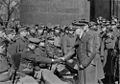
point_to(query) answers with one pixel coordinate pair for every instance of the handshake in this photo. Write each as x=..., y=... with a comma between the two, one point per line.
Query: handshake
x=58, y=60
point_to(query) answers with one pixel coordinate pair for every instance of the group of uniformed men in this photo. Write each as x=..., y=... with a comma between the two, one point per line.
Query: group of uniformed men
x=80, y=53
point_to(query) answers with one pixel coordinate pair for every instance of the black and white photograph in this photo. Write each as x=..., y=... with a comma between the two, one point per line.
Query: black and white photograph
x=59, y=41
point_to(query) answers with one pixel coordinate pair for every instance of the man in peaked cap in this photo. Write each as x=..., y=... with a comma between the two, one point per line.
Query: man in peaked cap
x=68, y=40
x=109, y=52
x=80, y=23
x=40, y=32
x=39, y=55
x=4, y=66
x=34, y=40
x=57, y=36
x=18, y=46
x=32, y=54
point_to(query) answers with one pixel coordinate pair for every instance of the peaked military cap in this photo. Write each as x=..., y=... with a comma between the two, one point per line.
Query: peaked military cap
x=34, y=40
x=80, y=23
x=107, y=23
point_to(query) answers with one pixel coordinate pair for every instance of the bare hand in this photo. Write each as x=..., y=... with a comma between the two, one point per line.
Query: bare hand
x=57, y=61
x=81, y=67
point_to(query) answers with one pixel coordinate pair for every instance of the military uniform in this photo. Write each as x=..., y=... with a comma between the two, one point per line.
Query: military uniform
x=17, y=46
x=109, y=48
x=4, y=66
x=39, y=55
x=67, y=43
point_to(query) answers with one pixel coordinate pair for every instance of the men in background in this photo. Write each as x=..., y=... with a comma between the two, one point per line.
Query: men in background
x=39, y=56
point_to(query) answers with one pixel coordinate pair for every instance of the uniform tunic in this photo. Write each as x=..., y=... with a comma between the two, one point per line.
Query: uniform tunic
x=35, y=56
x=17, y=47
x=4, y=66
x=67, y=43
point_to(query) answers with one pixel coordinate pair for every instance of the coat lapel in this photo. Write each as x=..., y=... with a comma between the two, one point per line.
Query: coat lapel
x=84, y=37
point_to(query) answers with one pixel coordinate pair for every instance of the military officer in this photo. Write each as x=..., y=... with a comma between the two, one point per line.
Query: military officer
x=4, y=66
x=68, y=40
x=41, y=57
x=40, y=32
x=57, y=37
x=109, y=46
x=17, y=46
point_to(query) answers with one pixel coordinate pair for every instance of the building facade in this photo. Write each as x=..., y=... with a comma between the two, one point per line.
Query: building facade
x=54, y=11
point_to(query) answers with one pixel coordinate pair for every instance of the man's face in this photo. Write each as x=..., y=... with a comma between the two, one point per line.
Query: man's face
x=71, y=32
x=57, y=31
x=32, y=31
x=79, y=31
x=104, y=29
x=31, y=46
x=109, y=34
x=51, y=33
x=114, y=26
x=51, y=41
x=2, y=49
x=40, y=31
x=85, y=27
x=23, y=33
x=11, y=36
x=94, y=26
x=42, y=44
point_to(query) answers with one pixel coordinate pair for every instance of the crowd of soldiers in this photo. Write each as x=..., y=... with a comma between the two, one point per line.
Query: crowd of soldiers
x=44, y=55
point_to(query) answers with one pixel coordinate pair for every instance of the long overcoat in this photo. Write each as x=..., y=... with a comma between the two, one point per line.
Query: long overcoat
x=86, y=53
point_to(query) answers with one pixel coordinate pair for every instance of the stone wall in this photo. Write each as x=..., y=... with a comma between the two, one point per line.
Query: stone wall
x=53, y=11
